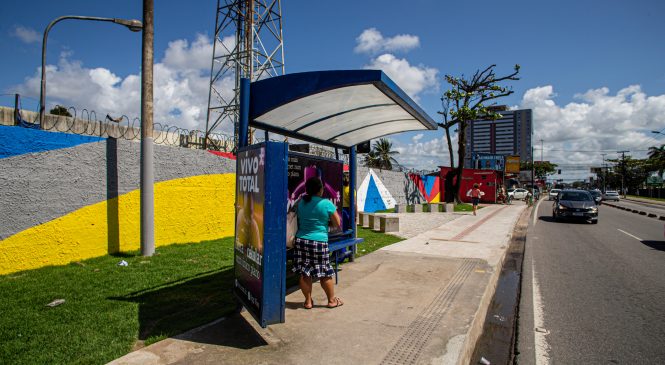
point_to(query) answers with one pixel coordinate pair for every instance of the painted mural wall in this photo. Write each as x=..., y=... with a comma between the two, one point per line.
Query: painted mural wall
x=382, y=189
x=428, y=185
x=67, y=197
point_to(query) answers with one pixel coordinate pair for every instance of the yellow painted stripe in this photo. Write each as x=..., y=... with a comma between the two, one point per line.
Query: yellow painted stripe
x=191, y=209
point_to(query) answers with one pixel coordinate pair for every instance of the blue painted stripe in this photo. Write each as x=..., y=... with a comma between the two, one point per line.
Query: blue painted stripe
x=429, y=183
x=16, y=141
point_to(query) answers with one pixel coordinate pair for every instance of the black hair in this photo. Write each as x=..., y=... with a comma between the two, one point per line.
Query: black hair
x=312, y=187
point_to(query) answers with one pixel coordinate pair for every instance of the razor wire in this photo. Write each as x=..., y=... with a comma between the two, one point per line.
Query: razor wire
x=86, y=122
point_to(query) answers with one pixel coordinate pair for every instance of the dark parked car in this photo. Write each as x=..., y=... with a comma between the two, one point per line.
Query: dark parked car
x=577, y=204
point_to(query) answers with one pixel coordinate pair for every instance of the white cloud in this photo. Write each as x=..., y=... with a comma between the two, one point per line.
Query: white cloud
x=597, y=121
x=181, y=82
x=574, y=135
x=412, y=79
x=423, y=154
x=371, y=41
x=27, y=35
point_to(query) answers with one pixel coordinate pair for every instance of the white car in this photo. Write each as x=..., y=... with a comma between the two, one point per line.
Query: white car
x=518, y=193
x=611, y=195
x=553, y=194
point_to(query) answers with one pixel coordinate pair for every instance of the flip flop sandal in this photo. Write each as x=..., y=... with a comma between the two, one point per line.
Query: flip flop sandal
x=338, y=303
x=306, y=307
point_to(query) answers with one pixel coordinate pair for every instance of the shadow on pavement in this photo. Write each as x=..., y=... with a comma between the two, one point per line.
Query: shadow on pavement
x=233, y=331
x=175, y=307
x=656, y=245
x=548, y=218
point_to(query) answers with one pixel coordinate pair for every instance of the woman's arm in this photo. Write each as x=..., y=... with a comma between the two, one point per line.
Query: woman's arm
x=335, y=221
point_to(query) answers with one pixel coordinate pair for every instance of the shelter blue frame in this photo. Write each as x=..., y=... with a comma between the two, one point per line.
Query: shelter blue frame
x=389, y=107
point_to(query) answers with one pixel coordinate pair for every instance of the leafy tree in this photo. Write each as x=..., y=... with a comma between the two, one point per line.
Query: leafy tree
x=542, y=168
x=470, y=99
x=633, y=171
x=657, y=159
x=60, y=110
x=381, y=155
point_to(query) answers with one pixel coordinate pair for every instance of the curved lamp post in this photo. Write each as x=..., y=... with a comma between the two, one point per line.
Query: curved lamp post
x=133, y=25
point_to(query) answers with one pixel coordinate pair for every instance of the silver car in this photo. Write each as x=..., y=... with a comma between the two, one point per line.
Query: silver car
x=518, y=193
x=611, y=195
x=553, y=193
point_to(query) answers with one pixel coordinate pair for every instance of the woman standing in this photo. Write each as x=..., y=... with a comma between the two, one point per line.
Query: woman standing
x=312, y=258
x=475, y=195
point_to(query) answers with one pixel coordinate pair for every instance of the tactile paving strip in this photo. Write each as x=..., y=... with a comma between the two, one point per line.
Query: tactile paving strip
x=410, y=345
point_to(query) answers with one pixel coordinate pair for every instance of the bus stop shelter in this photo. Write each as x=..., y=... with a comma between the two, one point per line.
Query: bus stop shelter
x=338, y=109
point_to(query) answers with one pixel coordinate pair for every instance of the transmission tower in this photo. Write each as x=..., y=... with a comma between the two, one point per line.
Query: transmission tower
x=248, y=44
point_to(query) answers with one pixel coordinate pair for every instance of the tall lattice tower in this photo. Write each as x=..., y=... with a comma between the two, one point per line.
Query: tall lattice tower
x=248, y=43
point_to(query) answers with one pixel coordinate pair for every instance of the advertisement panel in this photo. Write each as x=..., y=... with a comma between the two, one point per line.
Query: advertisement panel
x=512, y=164
x=249, y=239
x=488, y=161
x=302, y=167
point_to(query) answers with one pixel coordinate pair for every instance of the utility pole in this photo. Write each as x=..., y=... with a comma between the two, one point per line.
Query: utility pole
x=623, y=170
x=147, y=168
x=541, y=150
x=604, y=169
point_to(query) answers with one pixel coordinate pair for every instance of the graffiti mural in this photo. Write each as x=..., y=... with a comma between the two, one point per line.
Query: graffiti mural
x=67, y=197
x=428, y=185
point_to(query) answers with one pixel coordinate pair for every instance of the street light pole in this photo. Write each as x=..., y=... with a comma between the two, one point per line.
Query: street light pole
x=133, y=25
x=604, y=172
x=147, y=158
x=623, y=170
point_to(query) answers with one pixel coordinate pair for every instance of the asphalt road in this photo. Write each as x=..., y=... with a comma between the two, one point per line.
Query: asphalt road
x=593, y=294
x=655, y=208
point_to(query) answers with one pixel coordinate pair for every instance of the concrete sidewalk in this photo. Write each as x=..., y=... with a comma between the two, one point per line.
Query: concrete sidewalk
x=419, y=301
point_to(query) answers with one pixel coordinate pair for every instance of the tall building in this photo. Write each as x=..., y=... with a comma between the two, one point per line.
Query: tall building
x=509, y=135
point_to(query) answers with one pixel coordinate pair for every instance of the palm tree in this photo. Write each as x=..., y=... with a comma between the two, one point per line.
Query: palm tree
x=657, y=158
x=381, y=155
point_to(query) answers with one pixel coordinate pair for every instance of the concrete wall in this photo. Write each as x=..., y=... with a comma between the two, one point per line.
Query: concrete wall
x=65, y=197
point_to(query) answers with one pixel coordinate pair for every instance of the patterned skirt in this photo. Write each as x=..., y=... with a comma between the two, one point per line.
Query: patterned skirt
x=312, y=258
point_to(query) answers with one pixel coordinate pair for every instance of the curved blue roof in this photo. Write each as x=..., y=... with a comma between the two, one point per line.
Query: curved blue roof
x=336, y=108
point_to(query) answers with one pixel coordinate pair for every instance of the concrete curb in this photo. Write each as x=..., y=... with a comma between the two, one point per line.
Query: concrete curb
x=478, y=323
x=637, y=211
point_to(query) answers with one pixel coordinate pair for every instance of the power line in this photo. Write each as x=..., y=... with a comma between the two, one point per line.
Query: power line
x=595, y=151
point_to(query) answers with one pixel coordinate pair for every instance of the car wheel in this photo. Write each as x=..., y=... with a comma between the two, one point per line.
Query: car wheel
x=595, y=221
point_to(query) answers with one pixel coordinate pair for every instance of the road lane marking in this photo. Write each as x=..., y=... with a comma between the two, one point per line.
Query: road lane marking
x=541, y=346
x=628, y=234
x=535, y=214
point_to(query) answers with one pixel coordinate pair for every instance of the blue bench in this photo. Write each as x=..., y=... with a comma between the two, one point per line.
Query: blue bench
x=339, y=250
x=336, y=247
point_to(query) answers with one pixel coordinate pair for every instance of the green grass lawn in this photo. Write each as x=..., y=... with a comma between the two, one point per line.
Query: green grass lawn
x=109, y=309
x=374, y=241
x=645, y=197
x=464, y=207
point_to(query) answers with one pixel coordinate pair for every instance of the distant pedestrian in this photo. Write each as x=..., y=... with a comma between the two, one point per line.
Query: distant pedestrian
x=475, y=195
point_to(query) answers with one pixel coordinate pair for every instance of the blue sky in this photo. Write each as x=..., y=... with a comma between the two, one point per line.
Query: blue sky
x=591, y=70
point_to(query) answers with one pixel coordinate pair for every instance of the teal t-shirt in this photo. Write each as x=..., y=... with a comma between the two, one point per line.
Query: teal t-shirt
x=313, y=218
